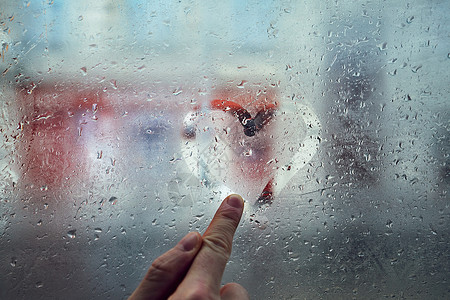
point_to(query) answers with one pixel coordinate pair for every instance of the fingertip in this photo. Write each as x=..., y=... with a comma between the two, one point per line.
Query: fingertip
x=190, y=241
x=235, y=201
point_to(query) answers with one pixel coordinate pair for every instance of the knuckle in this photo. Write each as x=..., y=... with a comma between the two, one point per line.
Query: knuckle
x=200, y=293
x=159, y=270
x=231, y=214
x=219, y=245
x=160, y=264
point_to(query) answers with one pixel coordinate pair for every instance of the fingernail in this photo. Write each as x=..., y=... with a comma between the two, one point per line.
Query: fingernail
x=189, y=241
x=235, y=201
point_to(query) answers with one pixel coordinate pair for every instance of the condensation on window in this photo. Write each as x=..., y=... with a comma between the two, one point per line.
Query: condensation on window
x=125, y=123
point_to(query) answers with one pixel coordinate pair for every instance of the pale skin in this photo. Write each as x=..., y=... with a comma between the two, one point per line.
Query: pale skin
x=193, y=269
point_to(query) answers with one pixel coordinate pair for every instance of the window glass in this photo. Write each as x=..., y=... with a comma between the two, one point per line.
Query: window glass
x=125, y=123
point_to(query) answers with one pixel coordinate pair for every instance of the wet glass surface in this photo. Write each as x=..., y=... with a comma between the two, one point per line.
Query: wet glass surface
x=124, y=124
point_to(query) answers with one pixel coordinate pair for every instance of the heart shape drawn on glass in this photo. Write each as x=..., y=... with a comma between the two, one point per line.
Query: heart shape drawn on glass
x=231, y=151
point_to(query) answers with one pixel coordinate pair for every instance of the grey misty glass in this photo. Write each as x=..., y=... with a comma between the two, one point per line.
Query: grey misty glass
x=113, y=146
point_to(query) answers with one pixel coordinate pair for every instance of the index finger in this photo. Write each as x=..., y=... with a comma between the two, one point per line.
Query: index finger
x=208, y=266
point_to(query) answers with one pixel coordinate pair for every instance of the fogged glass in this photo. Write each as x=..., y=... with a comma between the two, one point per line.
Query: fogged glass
x=125, y=123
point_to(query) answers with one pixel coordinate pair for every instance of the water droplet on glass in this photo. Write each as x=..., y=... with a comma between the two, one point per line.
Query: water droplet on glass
x=176, y=92
x=80, y=18
x=199, y=216
x=409, y=19
x=389, y=224
x=113, y=83
x=393, y=73
x=433, y=230
x=416, y=68
x=113, y=200
x=248, y=152
x=83, y=71
x=242, y=83
x=39, y=223
x=72, y=233
x=294, y=256
x=382, y=46
x=98, y=229
x=13, y=262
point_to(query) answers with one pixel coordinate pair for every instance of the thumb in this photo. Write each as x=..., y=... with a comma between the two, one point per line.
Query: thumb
x=233, y=291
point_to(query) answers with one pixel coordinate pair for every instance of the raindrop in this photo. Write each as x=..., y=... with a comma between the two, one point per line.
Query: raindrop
x=260, y=222
x=72, y=233
x=433, y=230
x=389, y=224
x=80, y=18
x=382, y=46
x=39, y=284
x=13, y=262
x=242, y=83
x=294, y=256
x=416, y=68
x=113, y=200
x=199, y=216
x=39, y=223
x=176, y=92
x=83, y=71
x=98, y=229
x=409, y=19
x=113, y=83
x=393, y=73
x=272, y=31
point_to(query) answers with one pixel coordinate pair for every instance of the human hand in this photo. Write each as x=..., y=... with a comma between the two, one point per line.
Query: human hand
x=193, y=269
